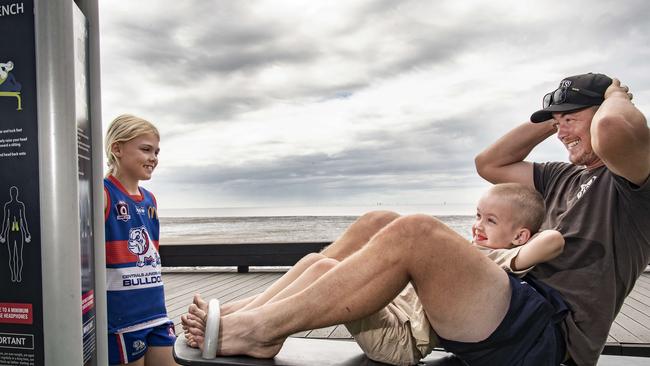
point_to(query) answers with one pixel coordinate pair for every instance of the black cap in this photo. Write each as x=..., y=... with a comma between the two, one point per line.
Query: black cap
x=591, y=83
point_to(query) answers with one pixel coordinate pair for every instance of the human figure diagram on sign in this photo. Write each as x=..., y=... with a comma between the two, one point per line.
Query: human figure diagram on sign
x=14, y=233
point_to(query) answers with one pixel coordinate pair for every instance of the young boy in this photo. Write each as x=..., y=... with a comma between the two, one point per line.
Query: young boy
x=507, y=216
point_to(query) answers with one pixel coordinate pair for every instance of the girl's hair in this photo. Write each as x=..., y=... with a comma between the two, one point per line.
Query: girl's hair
x=527, y=204
x=124, y=128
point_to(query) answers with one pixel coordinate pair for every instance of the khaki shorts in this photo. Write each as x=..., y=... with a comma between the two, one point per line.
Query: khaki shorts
x=399, y=334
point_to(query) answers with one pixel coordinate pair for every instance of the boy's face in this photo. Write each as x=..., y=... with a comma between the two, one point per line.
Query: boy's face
x=494, y=226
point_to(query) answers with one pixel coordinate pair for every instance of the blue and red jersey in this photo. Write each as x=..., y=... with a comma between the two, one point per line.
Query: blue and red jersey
x=135, y=293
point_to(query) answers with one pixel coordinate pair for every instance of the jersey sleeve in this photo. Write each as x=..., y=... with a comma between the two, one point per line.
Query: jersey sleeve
x=153, y=198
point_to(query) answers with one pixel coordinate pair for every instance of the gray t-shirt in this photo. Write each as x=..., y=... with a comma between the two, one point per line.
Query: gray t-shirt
x=605, y=221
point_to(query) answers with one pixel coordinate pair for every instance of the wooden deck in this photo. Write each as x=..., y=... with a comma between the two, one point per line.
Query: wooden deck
x=631, y=327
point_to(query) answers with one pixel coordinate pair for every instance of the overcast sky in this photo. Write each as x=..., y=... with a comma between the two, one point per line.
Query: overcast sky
x=322, y=103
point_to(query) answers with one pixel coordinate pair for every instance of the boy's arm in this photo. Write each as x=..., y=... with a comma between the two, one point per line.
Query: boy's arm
x=543, y=247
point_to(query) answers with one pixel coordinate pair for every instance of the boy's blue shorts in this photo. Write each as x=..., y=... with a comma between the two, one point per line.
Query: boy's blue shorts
x=130, y=346
x=529, y=334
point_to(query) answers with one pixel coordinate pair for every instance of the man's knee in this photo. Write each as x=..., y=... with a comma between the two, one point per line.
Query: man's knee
x=310, y=259
x=419, y=234
x=359, y=233
x=420, y=228
x=323, y=266
x=376, y=220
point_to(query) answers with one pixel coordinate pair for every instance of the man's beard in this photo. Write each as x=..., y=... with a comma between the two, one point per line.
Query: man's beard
x=585, y=159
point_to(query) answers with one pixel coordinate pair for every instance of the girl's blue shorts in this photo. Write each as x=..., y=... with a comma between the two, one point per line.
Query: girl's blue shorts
x=130, y=346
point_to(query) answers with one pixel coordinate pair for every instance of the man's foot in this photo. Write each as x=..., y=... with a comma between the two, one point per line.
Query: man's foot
x=229, y=308
x=238, y=334
x=193, y=322
x=242, y=333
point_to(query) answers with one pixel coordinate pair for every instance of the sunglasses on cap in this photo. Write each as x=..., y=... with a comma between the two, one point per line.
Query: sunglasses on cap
x=559, y=95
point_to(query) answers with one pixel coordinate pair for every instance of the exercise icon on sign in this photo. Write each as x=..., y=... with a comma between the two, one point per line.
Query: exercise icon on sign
x=9, y=87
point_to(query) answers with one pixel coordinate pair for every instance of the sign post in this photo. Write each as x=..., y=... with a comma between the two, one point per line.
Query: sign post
x=52, y=281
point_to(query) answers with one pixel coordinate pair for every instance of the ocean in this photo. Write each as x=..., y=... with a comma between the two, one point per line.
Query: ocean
x=218, y=229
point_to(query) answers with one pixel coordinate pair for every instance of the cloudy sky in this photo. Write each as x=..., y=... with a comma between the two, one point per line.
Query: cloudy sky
x=336, y=103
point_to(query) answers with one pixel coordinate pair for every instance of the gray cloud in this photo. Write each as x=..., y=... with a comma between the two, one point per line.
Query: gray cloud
x=209, y=37
x=233, y=41
x=198, y=64
x=421, y=159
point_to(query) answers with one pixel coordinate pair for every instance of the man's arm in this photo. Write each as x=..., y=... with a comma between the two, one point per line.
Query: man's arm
x=543, y=247
x=620, y=135
x=503, y=161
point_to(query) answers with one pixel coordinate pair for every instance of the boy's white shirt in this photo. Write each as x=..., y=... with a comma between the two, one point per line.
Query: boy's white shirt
x=503, y=258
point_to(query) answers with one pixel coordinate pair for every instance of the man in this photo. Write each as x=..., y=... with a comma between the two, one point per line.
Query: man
x=507, y=216
x=482, y=314
x=600, y=202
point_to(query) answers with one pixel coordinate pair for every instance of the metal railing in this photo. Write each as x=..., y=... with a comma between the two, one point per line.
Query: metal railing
x=240, y=255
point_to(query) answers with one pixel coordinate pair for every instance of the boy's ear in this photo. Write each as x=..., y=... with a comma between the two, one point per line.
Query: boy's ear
x=522, y=236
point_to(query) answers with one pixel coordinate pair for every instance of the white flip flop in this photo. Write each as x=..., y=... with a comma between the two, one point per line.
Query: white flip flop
x=212, y=330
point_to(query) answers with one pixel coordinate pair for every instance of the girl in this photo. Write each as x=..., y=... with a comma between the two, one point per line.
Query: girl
x=139, y=331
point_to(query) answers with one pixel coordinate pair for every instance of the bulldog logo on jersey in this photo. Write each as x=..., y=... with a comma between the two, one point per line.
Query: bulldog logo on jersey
x=122, y=211
x=140, y=244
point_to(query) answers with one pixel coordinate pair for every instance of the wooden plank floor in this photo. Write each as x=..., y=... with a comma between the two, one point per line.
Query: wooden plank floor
x=631, y=326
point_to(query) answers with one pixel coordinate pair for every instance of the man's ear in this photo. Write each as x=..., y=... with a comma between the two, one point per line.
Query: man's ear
x=522, y=236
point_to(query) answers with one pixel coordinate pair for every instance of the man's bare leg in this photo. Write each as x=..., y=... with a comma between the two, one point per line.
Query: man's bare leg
x=279, y=285
x=353, y=239
x=359, y=234
x=465, y=295
x=307, y=277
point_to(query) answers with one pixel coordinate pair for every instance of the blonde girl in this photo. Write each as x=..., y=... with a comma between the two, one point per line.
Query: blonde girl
x=139, y=331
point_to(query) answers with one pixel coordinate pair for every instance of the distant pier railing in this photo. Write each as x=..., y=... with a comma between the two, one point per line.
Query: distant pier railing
x=240, y=255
